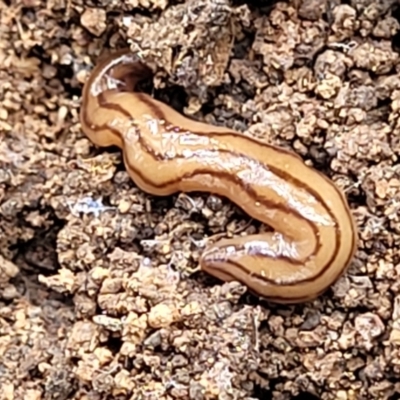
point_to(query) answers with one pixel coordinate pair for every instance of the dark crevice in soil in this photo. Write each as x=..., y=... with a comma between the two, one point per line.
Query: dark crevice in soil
x=306, y=396
x=263, y=6
x=242, y=48
x=175, y=96
x=262, y=394
x=38, y=256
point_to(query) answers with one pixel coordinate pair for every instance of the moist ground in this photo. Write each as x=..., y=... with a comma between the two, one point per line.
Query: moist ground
x=100, y=293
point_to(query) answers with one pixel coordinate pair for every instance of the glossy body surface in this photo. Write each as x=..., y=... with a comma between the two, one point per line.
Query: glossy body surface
x=314, y=237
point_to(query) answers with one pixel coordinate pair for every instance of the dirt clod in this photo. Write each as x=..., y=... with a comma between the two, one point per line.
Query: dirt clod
x=100, y=291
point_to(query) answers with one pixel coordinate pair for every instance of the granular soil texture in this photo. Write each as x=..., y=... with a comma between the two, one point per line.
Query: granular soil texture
x=101, y=297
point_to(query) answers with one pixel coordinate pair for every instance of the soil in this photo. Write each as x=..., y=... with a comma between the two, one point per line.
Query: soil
x=101, y=296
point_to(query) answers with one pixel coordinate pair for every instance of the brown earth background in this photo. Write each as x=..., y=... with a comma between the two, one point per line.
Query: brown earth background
x=100, y=293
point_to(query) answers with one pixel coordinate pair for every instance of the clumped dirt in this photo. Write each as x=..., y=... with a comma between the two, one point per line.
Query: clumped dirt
x=100, y=292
